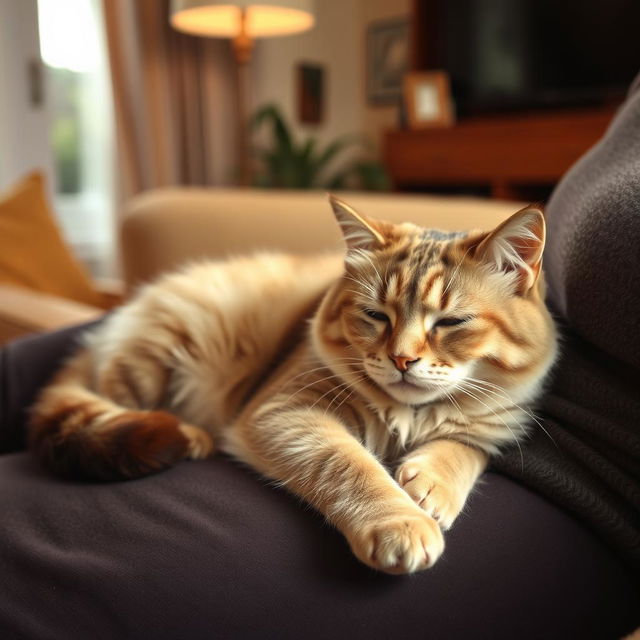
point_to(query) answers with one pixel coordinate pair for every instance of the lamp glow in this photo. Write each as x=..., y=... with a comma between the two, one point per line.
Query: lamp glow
x=242, y=21
x=225, y=19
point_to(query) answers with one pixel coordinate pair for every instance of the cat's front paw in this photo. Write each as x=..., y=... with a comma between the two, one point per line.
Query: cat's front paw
x=401, y=544
x=438, y=500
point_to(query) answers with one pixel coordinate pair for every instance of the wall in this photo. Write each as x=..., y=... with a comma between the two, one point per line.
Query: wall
x=337, y=42
x=378, y=118
x=330, y=43
x=24, y=132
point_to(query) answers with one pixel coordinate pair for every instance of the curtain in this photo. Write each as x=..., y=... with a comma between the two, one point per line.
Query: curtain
x=174, y=100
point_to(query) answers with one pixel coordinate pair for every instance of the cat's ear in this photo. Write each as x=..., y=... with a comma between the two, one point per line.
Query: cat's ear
x=359, y=232
x=516, y=245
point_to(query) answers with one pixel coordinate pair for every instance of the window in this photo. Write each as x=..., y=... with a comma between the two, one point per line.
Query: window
x=73, y=50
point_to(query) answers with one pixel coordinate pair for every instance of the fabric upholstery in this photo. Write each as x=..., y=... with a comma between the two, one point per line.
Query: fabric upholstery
x=32, y=251
x=26, y=366
x=589, y=459
x=163, y=228
x=208, y=550
x=593, y=252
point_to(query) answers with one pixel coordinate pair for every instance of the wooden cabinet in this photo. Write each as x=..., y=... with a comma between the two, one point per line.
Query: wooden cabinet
x=509, y=154
x=506, y=153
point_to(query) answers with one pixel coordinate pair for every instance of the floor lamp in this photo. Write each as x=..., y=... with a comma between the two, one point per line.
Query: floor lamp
x=242, y=21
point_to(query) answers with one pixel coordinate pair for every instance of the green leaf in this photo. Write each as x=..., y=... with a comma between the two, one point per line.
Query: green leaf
x=287, y=164
x=270, y=114
x=372, y=176
x=337, y=183
x=333, y=149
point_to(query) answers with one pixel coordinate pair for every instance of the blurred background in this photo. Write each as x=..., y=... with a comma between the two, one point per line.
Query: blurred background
x=108, y=99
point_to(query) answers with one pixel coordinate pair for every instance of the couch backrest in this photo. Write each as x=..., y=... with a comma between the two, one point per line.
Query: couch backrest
x=166, y=227
x=592, y=257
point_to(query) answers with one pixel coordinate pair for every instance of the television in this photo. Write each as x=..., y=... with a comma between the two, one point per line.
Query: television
x=529, y=54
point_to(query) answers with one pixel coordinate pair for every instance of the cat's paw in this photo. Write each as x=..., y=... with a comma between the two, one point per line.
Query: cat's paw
x=402, y=544
x=438, y=500
x=199, y=442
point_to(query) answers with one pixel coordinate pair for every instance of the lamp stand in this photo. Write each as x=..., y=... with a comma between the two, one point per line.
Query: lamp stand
x=243, y=48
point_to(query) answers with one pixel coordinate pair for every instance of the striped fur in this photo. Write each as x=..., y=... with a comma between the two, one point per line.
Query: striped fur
x=424, y=354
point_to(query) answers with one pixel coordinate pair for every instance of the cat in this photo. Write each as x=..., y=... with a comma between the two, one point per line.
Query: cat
x=417, y=351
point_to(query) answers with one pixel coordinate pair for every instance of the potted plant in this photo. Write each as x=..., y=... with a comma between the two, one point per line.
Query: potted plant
x=289, y=164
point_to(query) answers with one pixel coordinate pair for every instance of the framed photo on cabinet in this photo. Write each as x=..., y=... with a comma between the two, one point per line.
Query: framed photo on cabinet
x=428, y=101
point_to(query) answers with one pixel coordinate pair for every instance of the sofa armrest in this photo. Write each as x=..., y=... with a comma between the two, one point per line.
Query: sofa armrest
x=24, y=311
x=111, y=290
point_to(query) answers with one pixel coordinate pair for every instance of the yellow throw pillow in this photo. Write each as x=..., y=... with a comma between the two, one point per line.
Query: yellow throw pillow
x=33, y=253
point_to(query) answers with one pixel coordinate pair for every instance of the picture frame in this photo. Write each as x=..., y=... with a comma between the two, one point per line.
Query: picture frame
x=310, y=81
x=428, y=100
x=387, y=60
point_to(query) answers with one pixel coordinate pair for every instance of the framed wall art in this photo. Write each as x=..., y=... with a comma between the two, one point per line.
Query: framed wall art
x=387, y=60
x=310, y=81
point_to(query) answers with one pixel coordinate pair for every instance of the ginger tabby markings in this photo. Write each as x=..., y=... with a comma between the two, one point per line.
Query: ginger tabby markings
x=424, y=353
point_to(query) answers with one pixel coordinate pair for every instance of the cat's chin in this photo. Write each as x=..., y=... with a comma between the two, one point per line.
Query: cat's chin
x=410, y=393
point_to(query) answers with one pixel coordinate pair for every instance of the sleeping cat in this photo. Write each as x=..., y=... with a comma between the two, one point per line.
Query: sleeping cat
x=418, y=352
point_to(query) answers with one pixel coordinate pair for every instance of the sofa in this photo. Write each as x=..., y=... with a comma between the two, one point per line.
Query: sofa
x=548, y=546
x=163, y=228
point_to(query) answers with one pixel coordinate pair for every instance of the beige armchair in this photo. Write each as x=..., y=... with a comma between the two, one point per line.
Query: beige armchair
x=164, y=228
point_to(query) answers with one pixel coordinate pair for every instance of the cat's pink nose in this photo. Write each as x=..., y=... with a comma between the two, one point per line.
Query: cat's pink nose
x=402, y=362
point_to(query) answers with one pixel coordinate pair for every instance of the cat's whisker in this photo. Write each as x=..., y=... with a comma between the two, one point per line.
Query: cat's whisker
x=331, y=390
x=347, y=385
x=368, y=286
x=355, y=293
x=515, y=404
x=346, y=276
x=455, y=403
x=309, y=371
x=490, y=397
x=314, y=382
x=311, y=384
x=345, y=398
x=489, y=392
x=495, y=397
x=468, y=393
x=364, y=254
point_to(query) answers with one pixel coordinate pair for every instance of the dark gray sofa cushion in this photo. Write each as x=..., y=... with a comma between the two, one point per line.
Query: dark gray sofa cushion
x=589, y=459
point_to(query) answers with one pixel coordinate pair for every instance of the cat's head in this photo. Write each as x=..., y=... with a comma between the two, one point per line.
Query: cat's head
x=420, y=312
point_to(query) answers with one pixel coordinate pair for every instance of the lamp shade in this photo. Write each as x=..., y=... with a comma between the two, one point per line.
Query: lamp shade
x=223, y=19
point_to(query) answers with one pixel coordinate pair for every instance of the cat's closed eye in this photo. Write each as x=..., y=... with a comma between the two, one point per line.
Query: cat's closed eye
x=377, y=315
x=450, y=322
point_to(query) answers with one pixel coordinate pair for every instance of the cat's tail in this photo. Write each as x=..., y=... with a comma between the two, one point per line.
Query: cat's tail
x=79, y=434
